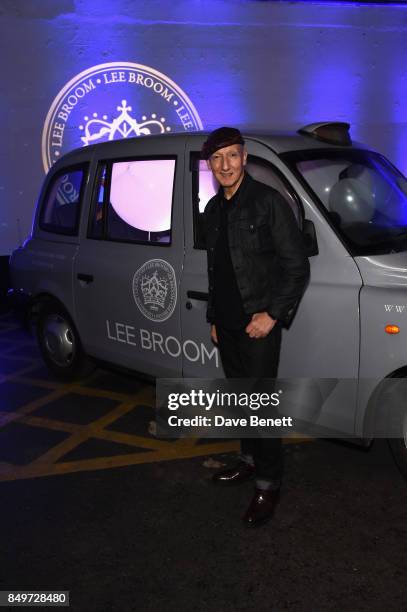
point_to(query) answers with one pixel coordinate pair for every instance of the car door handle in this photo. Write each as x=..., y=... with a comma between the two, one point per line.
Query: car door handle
x=197, y=295
x=87, y=278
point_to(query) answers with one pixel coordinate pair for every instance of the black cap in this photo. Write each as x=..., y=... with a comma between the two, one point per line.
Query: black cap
x=222, y=137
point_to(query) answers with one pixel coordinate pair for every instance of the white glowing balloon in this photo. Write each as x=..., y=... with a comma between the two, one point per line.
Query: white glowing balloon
x=141, y=193
x=353, y=200
x=370, y=195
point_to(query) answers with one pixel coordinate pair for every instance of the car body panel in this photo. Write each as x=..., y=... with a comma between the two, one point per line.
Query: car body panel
x=337, y=333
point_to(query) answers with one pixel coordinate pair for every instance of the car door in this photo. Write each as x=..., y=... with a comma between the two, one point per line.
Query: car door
x=45, y=265
x=323, y=340
x=128, y=268
x=203, y=358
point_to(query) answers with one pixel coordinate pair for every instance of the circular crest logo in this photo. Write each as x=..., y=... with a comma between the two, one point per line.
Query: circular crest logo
x=155, y=289
x=112, y=101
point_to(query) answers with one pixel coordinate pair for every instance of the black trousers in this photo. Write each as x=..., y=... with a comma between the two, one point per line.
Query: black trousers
x=245, y=357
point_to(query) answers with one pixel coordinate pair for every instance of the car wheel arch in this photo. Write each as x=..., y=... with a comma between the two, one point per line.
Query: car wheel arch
x=372, y=424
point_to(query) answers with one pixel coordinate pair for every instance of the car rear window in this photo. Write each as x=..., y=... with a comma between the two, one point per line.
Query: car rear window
x=61, y=205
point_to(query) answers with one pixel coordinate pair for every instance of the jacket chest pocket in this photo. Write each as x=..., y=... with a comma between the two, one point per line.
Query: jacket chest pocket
x=255, y=234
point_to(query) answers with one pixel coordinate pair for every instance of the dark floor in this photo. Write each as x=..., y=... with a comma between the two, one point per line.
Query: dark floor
x=93, y=503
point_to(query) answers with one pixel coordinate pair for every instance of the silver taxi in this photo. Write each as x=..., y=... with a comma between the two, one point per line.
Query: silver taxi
x=115, y=267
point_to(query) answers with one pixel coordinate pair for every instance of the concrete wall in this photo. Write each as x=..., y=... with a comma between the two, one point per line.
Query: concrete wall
x=257, y=65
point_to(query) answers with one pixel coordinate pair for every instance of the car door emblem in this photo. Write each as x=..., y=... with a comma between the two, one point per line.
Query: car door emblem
x=155, y=289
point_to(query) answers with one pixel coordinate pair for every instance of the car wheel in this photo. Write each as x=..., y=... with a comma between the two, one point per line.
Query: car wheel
x=60, y=344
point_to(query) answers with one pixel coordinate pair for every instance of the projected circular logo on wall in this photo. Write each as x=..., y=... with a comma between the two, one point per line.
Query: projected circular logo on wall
x=155, y=289
x=112, y=101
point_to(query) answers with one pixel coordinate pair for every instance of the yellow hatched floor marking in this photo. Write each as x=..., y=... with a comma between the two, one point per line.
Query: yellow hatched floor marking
x=37, y=382
x=45, y=465
x=158, y=450
x=80, y=389
x=109, y=435
x=173, y=452
x=8, y=417
x=80, y=436
x=91, y=430
x=19, y=373
x=34, y=470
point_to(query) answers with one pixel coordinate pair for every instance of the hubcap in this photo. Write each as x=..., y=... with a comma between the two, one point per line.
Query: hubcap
x=59, y=340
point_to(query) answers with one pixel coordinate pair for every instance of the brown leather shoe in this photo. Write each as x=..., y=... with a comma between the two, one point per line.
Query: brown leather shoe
x=262, y=507
x=241, y=472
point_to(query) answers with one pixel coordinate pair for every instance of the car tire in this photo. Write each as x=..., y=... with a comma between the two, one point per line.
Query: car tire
x=60, y=345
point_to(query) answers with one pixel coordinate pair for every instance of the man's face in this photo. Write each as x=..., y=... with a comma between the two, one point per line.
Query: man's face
x=228, y=164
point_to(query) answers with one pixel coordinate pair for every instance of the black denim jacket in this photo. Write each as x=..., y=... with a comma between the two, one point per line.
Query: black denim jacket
x=266, y=248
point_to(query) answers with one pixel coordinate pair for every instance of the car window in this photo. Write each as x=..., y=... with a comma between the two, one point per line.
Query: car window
x=205, y=187
x=61, y=205
x=133, y=201
x=364, y=196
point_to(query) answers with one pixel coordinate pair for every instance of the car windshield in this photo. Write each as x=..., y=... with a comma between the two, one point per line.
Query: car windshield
x=363, y=194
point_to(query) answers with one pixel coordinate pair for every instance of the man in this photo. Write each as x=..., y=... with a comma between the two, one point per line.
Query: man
x=257, y=271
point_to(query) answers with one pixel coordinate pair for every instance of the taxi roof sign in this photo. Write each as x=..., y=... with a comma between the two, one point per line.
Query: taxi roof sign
x=332, y=132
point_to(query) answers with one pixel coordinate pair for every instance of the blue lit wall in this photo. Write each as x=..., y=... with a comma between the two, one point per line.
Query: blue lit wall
x=257, y=65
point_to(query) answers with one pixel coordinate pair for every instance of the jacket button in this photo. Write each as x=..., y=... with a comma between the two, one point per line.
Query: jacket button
x=212, y=249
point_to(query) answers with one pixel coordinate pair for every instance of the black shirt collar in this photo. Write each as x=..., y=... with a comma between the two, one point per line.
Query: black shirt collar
x=235, y=196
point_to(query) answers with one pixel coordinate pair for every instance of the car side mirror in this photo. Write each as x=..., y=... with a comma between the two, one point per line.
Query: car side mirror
x=310, y=238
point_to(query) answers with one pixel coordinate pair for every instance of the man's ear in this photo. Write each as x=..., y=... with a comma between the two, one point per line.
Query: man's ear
x=244, y=156
x=208, y=163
